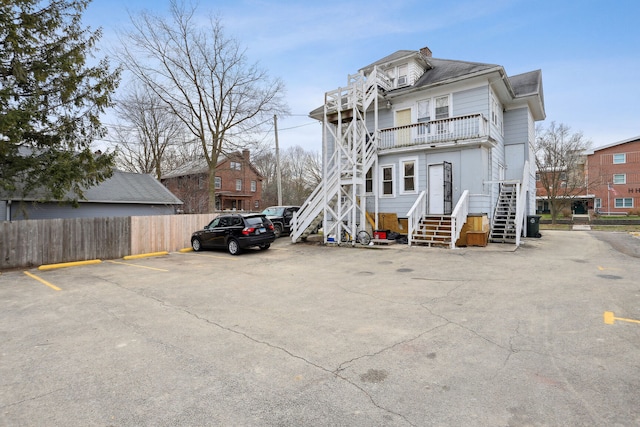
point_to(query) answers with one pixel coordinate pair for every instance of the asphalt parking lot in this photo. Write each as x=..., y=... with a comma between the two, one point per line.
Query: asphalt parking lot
x=307, y=335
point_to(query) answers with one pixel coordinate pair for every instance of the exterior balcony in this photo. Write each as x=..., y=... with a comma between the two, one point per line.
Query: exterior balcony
x=461, y=130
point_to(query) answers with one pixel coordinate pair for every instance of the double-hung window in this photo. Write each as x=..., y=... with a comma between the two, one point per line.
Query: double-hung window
x=218, y=183
x=403, y=75
x=387, y=180
x=408, y=170
x=238, y=185
x=423, y=116
x=442, y=112
x=368, y=181
x=253, y=186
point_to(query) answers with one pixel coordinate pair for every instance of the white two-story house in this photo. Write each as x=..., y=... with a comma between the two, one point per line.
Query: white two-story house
x=430, y=141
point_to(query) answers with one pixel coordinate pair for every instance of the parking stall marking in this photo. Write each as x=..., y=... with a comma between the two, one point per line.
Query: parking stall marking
x=610, y=318
x=136, y=265
x=44, y=282
x=228, y=258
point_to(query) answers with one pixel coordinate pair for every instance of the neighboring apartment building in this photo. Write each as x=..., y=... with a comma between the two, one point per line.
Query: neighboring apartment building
x=421, y=138
x=613, y=173
x=238, y=184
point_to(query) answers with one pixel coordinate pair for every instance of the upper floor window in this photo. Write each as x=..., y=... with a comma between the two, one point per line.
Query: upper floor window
x=496, y=113
x=387, y=180
x=620, y=178
x=236, y=166
x=238, y=185
x=403, y=75
x=253, y=186
x=424, y=110
x=442, y=107
x=218, y=183
x=619, y=158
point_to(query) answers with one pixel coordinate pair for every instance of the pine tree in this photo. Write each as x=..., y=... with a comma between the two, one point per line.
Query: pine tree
x=50, y=100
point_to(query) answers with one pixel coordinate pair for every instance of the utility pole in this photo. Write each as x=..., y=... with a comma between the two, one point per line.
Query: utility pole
x=278, y=173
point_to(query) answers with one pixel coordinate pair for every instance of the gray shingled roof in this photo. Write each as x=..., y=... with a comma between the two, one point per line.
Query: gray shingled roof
x=128, y=187
x=122, y=187
x=527, y=83
x=193, y=167
x=443, y=70
x=446, y=69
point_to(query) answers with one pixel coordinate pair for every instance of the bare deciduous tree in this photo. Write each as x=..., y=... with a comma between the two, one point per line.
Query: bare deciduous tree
x=204, y=77
x=301, y=172
x=560, y=163
x=151, y=132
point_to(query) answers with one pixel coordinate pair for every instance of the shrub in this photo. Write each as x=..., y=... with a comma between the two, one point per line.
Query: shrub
x=566, y=213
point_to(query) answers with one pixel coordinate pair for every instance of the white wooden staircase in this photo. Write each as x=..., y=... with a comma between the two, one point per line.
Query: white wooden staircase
x=503, y=223
x=339, y=201
x=433, y=230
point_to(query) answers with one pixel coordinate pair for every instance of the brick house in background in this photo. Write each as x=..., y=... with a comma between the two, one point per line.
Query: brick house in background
x=572, y=195
x=614, y=176
x=238, y=184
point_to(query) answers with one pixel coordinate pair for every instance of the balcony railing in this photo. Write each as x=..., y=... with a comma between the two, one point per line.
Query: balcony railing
x=435, y=132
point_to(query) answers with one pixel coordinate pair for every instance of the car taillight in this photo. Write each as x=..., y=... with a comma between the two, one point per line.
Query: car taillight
x=271, y=227
x=248, y=230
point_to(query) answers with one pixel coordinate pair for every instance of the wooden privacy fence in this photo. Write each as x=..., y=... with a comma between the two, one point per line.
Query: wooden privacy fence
x=31, y=243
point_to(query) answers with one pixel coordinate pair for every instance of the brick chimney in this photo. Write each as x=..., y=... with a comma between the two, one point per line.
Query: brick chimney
x=245, y=155
x=426, y=52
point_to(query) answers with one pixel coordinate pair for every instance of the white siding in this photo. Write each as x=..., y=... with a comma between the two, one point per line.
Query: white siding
x=516, y=126
x=471, y=101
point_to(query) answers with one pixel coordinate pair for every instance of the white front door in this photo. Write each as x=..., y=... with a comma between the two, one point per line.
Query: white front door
x=436, y=190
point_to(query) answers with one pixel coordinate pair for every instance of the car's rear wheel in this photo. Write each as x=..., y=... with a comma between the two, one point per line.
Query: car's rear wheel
x=233, y=246
x=277, y=228
x=196, y=244
x=265, y=246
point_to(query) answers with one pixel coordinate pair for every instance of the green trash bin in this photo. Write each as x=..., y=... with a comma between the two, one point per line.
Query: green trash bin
x=533, y=226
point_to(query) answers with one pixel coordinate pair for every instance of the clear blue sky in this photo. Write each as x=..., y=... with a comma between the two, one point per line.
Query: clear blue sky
x=588, y=51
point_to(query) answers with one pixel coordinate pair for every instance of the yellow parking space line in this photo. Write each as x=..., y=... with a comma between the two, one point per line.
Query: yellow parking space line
x=68, y=264
x=610, y=319
x=136, y=265
x=44, y=282
x=228, y=258
x=151, y=254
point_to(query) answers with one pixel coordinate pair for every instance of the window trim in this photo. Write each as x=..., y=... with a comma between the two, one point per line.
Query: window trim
x=238, y=184
x=405, y=75
x=622, y=204
x=402, y=163
x=217, y=183
x=382, y=182
x=254, y=186
x=619, y=175
x=624, y=158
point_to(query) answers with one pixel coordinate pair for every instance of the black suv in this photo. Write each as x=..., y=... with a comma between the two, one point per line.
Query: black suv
x=281, y=217
x=235, y=232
